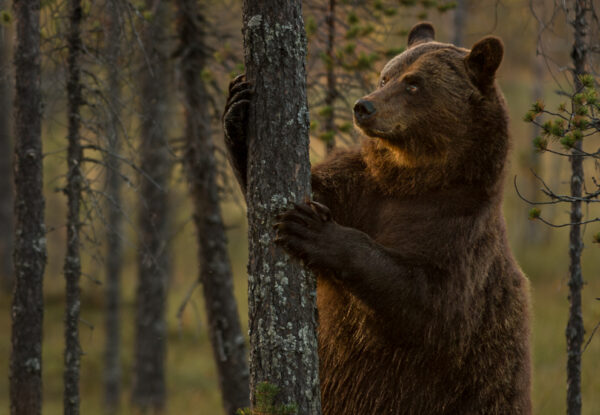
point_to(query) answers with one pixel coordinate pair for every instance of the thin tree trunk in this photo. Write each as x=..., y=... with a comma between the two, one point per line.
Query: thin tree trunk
x=460, y=14
x=215, y=269
x=72, y=266
x=331, y=88
x=153, y=264
x=575, y=330
x=282, y=294
x=6, y=189
x=30, y=233
x=114, y=256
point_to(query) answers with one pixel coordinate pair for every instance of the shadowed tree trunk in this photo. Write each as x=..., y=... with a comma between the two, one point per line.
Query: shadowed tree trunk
x=30, y=233
x=575, y=330
x=460, y=19
x=330, y=94
x=282, y=294
x=114, y=256
x=72, y=266
x=6, y=189
x=215, y=270
x=153, y=262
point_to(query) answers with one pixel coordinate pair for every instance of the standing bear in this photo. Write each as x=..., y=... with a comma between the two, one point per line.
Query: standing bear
x=422, y=308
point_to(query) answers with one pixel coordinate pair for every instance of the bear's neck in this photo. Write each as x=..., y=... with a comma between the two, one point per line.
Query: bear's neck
x=396, y=176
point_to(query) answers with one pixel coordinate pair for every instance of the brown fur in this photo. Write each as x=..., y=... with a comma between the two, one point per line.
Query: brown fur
x=422, y=308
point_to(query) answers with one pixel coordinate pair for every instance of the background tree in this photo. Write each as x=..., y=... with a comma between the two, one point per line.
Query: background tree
x=30, y=233
x=571, y=127
x=225, y=332
x=149, y=390
x=460, y=20
x=114, y=254
x=6, y=189
x=72, y=265
x=281, y=293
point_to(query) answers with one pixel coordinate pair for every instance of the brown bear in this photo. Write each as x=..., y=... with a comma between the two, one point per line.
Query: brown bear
x=422, y=308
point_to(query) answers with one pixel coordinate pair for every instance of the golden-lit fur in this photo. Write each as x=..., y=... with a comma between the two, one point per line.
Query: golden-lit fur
x=430, y=189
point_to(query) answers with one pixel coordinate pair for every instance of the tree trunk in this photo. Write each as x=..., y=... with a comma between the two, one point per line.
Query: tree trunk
x=460, y=14
x=114, y=256
x=30, y=233
x=6, y=189
x=72, y=266
x=215, y=270
x=575, y=330
x=331, y=88
x=282, y=294
x=153, y=262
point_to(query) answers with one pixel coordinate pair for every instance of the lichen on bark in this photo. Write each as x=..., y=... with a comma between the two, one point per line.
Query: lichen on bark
x=282, y=295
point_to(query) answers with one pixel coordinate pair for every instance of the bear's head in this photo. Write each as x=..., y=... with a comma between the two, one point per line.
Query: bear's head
x=438, y=103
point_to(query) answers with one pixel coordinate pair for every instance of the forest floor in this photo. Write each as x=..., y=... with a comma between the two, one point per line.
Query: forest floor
x=192, y=382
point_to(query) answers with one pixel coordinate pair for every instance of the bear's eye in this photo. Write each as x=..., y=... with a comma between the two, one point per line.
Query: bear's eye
x=412, y=88
x=382, y=82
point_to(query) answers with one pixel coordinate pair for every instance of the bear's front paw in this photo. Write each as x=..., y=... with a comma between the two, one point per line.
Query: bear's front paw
x=235, y=116
x=307, y=232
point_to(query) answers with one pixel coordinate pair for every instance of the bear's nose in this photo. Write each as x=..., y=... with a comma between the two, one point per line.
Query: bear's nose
x=364, y=109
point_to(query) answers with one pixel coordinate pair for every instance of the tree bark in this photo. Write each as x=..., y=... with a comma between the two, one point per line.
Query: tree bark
x=153, y=262
x=282, y=294
x=575, y=330
x=215, y=269
x=30, y=234
x=6, y=189
x=72, y=266
x=114, y=256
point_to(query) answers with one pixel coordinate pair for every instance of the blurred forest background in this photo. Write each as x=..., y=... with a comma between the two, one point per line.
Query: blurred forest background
x=367, y=33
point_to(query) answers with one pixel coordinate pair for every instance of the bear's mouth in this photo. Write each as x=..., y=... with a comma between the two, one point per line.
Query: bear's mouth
x=373, y=132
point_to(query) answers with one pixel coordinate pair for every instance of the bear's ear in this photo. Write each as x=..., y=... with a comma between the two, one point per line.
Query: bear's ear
x=483, y=61
x=421, y=33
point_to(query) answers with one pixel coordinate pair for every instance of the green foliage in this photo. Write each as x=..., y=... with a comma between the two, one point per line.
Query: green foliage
x=206, y=75
x=534, y=213
x=596, y=238
x=327, y=136
x=540, y=143
x=345, y=127
x=568, y=127
x=444, y=7
x=265, y=402
x=325, y=111
x=5, y=17
x=391, y=52
x=352, y=18
x=587, y=80
x=148, y=15
x=310, y=26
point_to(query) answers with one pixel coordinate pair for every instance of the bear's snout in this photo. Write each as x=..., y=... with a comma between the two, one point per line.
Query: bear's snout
x=363, y=110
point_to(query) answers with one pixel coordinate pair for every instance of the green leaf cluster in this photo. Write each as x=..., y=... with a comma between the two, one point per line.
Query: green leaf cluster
x=265, y=402
x=534, y=213
x=570, y=128
x=5, y=17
